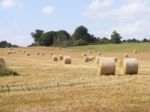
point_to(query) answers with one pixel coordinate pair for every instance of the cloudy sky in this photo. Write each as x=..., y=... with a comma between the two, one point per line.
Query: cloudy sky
x=18, y=18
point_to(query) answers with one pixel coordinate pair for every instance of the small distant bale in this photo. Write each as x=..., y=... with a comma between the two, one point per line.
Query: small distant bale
x=43, y=54
x=107, y=66
x=135, y=51
x=2, y=64
x=91, y=58
x=24, y=52
x=60, y=57
x=125, y=56
x=51, y=54
x=67, y=60
x=84, y=54
x=99, y=54
x=129, y=66
x=89, y=52
x=28, y=54
x=85, y=59
x=9, y=52
x=54, y=58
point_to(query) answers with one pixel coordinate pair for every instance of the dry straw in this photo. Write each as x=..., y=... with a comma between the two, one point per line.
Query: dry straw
x=129, y=66
x=28, y=54
x=67, y=60
x=9, y=52
x=90, y=52
x=54, y=58
x=125, y=56
x=2, y=64
x=107, y=66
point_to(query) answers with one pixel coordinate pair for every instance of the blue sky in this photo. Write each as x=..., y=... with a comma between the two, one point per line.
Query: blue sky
x=18, y=18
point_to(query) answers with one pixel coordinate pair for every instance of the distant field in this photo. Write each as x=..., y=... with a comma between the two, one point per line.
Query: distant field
x=127, y=47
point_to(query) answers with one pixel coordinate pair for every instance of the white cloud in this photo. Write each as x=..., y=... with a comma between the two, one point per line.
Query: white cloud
x=127, y=17
x=10, y=3
x=48, y=10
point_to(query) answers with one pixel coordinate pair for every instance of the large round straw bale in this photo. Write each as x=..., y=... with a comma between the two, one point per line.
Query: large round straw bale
x=60, y=57
x=2, y=64
x=43, y=54
x=67, y=60
x=129, y=66
x=106, y=66
x=54, y=58
x=38, y=54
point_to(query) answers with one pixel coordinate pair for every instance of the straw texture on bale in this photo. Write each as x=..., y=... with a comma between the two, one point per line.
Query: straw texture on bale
x=54, y=58
x=67, y=60
x=129, y=66
x=9, y=52
x=106, y=66
x=60, y=57
x=2, y=64
x=91, y=58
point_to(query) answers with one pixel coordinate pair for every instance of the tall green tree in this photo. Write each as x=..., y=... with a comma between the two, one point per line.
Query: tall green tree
x=36, y=35
x=48, y=38
x=116, y=38
x=81, y=33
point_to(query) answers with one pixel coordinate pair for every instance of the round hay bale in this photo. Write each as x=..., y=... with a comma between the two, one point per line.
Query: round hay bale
x=2, y=64
x=9, y=52
x=54, y=58
x=135, y=51
x=38, y=54
x=125, y=56
x=89, y=52
x=129, y=66
x=107, y=66
x=51, y=54
x=99, y=54
x=43, y=54
x=67, y=60
x=84, y=54
x=60, y=57
x=28, y=54
x=91, y=58
x=85, y=59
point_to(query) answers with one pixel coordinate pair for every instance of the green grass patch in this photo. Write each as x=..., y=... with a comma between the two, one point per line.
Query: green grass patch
x=125, y=47
x=8, y=72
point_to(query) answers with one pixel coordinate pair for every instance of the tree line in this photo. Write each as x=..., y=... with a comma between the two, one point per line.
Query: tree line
x=5, y=44
x=81, y=36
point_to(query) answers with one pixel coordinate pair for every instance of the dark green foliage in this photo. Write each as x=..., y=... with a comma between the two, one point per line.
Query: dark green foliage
x=8, y=72
x=36, y=35
x=116, y=38
x=4, y=44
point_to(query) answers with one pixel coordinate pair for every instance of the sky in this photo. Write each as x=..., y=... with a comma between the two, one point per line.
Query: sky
x=18, y=18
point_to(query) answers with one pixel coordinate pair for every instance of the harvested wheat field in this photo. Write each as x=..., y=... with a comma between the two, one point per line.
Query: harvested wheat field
x=45, y=85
